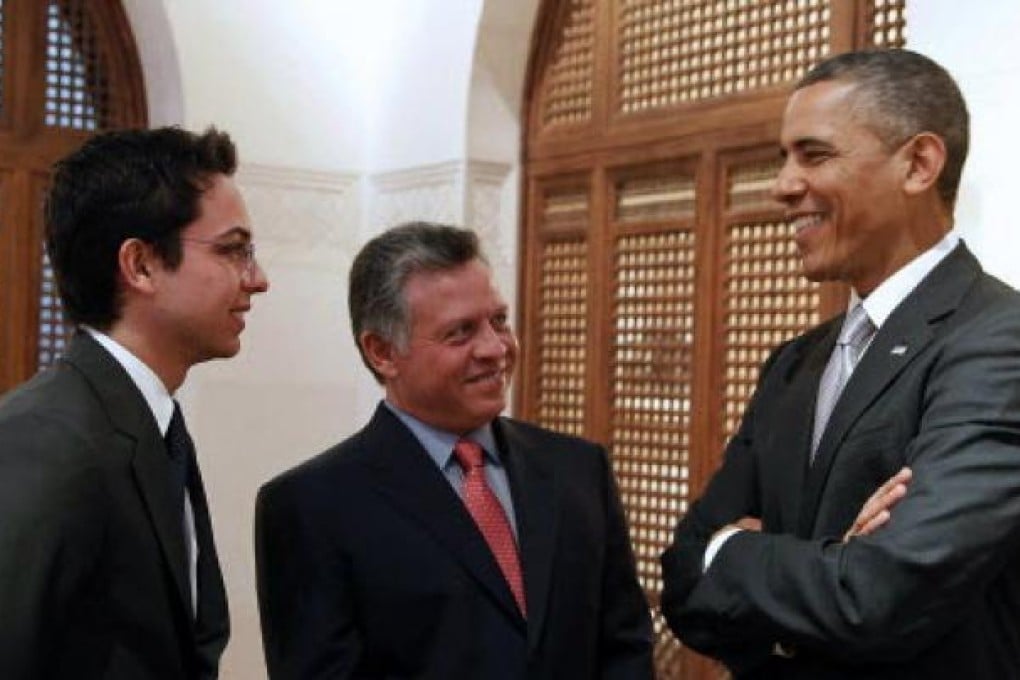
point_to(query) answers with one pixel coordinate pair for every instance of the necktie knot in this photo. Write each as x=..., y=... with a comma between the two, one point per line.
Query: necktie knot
x=468, y=454
x=180, y=451
x=177, y=438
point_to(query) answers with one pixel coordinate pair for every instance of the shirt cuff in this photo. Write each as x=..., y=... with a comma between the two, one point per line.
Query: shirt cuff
x=715, y=544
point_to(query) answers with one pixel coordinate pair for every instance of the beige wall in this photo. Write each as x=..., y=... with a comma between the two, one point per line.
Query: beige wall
x=352, y=115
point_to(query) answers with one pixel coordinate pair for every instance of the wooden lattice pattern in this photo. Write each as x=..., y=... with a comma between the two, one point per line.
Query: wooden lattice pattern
x=678, y=51
x=767, y=301
x=653, y=333
x=3, y=31
x=656, y=198
x=887, y=23
x=563, y=335
x=568, y=90
x=77, y=89
x=666, y=72
x=54, y=333
x=749, y=186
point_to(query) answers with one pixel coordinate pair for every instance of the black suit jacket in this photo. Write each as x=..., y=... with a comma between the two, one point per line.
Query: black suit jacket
x=92, y=566
x=935, y=593
x=369, y=566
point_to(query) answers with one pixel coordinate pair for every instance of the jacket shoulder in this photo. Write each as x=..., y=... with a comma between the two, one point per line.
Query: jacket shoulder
x=529, y=431
x=328, y=468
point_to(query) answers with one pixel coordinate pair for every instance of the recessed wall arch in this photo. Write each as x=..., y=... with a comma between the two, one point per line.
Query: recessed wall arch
x=159, y=61
x=656, y=271
x=69, y=69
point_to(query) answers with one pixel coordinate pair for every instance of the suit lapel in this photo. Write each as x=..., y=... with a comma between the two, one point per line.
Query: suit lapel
x=131, y=416
x=533, y=489
x=903, y=336
x=792, y=441
x=409, y=480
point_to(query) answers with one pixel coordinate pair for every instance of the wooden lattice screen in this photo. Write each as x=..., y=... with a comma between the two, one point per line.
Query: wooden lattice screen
x=67, y=69
x=3, y=89
x=569, y=93
x=765, y=300
x=564, y=275
x=657, y=271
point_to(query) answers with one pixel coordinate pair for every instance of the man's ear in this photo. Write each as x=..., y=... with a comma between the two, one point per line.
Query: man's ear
x=926, y=157
x=137, y=262
x=380, y=353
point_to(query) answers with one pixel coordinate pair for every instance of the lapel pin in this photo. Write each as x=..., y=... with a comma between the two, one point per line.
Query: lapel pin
x=898, y=350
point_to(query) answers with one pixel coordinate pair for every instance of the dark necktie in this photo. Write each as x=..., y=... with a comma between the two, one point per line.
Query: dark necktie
x=853, y=338
x=486, y=510
x=181, y=451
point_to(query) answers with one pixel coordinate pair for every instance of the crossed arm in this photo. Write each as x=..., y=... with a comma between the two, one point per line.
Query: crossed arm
x=883, y=590
x=875, y=512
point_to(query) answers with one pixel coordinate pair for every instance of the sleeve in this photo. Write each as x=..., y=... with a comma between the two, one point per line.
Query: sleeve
x=51, y=533
x=730, y=494
x=889, y=596
x=626, y=630
x=305, y=599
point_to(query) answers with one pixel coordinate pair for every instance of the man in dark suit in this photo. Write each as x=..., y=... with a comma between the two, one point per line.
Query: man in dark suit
x=442, y=540
x=923, y=371
x=107, y=564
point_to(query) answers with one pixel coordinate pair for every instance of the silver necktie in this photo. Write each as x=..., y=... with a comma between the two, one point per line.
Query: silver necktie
x=853, y=338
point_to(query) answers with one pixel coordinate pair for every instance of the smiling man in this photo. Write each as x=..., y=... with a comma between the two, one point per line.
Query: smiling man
x=921, y=376
x=108, y=569
x=443, y=540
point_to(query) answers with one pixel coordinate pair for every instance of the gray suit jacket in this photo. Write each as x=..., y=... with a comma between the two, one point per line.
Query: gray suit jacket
x=936, y=593
x=92, y=561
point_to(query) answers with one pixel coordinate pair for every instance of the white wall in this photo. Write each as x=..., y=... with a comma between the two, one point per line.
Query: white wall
x=352, y=115
x=348, y=116
x=977, y=43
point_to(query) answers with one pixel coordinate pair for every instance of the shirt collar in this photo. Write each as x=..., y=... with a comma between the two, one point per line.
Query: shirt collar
x=161, y=404
x=439, y=443
x=882, y=301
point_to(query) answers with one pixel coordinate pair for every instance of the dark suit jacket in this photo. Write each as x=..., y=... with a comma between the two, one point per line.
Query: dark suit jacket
x=935, y=593
x=369, y=566
x=92, y=566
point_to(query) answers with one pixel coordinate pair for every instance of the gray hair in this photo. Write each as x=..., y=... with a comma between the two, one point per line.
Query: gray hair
x=382, y=267
x=903, y=94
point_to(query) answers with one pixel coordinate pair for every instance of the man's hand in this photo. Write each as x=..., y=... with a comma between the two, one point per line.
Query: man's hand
x=749, y=523
x=875, y=512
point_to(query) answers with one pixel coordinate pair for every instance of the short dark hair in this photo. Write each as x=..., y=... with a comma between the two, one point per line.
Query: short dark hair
x=143, y=184
x=905, y=94
x=382, y=267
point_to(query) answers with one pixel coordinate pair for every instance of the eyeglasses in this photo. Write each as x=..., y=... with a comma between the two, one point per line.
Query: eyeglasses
x=239, y=253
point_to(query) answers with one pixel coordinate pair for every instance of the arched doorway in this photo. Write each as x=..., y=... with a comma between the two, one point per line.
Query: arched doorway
x=656, y=271
x=69, y=68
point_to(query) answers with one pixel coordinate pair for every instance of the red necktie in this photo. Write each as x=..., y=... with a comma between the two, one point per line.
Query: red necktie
x=488, y=514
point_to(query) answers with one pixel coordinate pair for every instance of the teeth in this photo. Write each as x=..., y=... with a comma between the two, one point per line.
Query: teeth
x=805, y=221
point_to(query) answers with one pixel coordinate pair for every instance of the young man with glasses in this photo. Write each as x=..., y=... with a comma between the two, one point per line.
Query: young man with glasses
x=107, y=563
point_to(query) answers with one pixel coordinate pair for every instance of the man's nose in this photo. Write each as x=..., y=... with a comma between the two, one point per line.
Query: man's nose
x=789, y=183
x=491, y=342
x=255, y=279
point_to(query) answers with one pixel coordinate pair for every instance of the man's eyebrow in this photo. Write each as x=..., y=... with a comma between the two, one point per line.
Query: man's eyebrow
x=804, y=142
x=238, y=230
